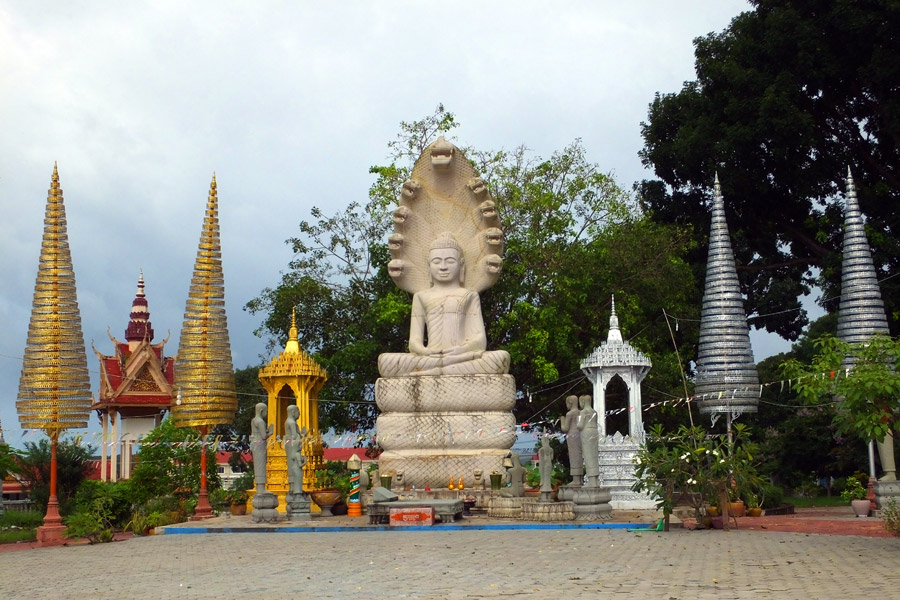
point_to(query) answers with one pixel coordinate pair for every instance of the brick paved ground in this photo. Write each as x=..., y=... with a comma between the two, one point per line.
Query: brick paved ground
x=462, y=564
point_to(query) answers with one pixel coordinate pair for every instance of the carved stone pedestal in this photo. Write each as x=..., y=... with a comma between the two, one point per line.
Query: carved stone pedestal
x=592, y=504
x=884, y=491
x=265, y=508
x=505, y=508
x=433, y=428
x=297, y=507
x=548, y=511
x=617, y=454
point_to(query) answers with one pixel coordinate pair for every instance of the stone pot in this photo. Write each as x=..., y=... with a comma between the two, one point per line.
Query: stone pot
x=325, y=499
x=861, y=507
x=736, y=509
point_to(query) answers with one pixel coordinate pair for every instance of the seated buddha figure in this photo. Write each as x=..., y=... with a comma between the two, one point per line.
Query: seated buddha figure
x=446, y=332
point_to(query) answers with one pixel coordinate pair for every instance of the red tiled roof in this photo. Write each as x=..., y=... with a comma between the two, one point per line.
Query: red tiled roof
x=345, y=454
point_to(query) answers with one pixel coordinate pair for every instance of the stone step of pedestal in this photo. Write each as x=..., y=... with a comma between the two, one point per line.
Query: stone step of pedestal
x=548, y=511
x=446, y=430
x=445, y=393
x=505, y=508
x=421, y=468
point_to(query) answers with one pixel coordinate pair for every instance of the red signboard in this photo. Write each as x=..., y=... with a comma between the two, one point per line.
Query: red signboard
x=419, y=515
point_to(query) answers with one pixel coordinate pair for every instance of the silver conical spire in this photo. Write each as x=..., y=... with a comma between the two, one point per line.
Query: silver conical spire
x=861, y=313
x=727, y=381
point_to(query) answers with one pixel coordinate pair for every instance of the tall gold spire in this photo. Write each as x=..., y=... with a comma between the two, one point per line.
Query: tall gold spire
x=55, y=388
x=204, y=374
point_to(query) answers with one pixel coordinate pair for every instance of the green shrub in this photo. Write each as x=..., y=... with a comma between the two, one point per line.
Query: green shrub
x=808, y=489
x=95, y=523
x=773, y=495
x=118, y=493
x=890, y=514
x=219, y=499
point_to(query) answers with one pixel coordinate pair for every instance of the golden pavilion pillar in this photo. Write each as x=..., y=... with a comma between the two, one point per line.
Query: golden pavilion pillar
x=292, y=377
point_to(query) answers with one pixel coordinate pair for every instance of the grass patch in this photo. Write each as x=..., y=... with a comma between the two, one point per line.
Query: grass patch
x=817, y=502
x=11, y=536
x=29, y=519
x=18, y=526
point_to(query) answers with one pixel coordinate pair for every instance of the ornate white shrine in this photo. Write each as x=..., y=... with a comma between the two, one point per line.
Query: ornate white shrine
x=617, y=358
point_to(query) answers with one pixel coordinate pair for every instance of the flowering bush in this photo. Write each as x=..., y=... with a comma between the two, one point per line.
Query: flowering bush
x=696, y=465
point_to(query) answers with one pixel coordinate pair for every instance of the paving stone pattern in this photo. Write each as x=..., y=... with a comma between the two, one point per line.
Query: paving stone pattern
x=462, y=564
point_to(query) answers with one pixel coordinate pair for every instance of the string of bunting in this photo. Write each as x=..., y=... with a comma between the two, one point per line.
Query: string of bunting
x=222, y=443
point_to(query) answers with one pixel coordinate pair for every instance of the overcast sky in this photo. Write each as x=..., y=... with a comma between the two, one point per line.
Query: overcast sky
x=289, y=104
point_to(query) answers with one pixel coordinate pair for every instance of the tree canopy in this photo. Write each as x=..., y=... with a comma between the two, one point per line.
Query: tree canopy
x=785, y=99
x=573, y=238
x=867, y=388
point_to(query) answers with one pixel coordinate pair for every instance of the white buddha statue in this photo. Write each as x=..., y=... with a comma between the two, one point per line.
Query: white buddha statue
x=449, y=317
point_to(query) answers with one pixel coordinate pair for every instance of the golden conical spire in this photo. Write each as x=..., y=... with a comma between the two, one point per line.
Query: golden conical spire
x=55, y=388
x=204, y=374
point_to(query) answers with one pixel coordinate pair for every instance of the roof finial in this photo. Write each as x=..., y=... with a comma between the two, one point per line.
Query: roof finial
x=139, y=327
x=293, y=345
x=615, y=335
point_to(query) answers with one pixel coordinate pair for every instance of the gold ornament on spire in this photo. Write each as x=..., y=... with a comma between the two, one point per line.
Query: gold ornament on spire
x=55, y=388
x=204, y=374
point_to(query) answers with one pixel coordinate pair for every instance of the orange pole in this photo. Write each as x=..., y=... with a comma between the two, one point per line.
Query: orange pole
x=51, y=532
x=204, y=509
x=53, y=444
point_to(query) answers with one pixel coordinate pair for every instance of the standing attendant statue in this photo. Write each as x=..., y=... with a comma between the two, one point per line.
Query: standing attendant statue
x=545, y=464
x=259, y=436
x=293, y=450
x=590, y=440
x=569, y=426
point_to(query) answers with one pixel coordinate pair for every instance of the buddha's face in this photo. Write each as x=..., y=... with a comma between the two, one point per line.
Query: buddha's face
x=444, y=264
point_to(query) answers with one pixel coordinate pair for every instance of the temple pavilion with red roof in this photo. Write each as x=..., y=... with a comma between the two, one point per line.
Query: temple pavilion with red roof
x=136, y=388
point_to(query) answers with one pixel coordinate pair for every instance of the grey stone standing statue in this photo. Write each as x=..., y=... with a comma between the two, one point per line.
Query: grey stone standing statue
x=265, y=503
x=569, y=426
x=545, y=464
x=259, y=436
x=293, y=449
x=297, y=503
x=590, y=440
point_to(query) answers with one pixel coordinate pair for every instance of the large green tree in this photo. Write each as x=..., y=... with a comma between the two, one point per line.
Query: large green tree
x=573, y=238
x=73, y=461
x=168, y=464
x=785, y=99
x=868, y=393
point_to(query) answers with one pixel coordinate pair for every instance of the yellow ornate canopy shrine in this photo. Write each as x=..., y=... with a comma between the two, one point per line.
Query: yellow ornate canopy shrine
x=293, y=377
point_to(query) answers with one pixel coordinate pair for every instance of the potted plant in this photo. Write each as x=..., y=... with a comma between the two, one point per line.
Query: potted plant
x=753, y=505
x=855, y=493
x=332, y=485
x=496, y=480
x=238, y=495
